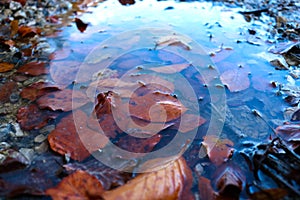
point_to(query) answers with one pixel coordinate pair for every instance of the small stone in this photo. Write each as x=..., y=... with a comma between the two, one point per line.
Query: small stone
x=15, y=5
x=43, y=147
x=199, y=169
x=28, y=153
x=16, y=130
x=14, y=97
x=40, y=138
x=4, y=145
x=20, y=14
x=47, y=129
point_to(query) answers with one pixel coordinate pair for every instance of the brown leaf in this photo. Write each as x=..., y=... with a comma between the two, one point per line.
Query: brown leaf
x=14, y=26
x=205, y=189
x=218, y=150
x=170, y=182
x=64, y=72
x=64, y=100
x=235, y=79
x=6, y=90
x=229, y=181
x=60, y=54
x=272, y=193
x=26, y=31
x=81, y=26
x=31, y=117
x=34, y=68
x=170, y=69
x=79, y=185
x=127, y=2
x=38, y=89
x=5, y=67
x=73, y=137
x=109, y=178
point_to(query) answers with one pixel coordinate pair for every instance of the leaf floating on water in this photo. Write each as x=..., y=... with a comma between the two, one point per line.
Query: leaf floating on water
x=81, y=26
x=170, y=69
x=171, y=182
x=64, y=100
x=64, y=72
x=218, y=150
x=5, y=67
x=235, y=79
x=174, y=40
x=31, y=117
x=73, y=137
x=127, y=2
x=34, y=68
x=79, y=185
x=189, y=122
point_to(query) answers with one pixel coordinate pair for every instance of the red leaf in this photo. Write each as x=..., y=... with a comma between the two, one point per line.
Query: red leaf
x=64, y=100
x=34, y=68
x=290, y=133
x=5, y=67
x=109, y=178
x=79, y=185
x=235, y=79
x=6, y=90
x=22, y=2
x=76, y=142
x=31, y=117
x=80, y=25
x=218, y=150
x=127, y=2
x=38, y=89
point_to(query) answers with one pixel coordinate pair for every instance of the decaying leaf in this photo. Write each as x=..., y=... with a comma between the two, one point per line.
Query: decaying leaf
x=229, y=181
x=6, y=90
x=81, y=26
x=31, y=117
x=127, y=2
x=235, y=79
x=64, y=100
x=170, y=182
x=5, y=67
x=12, y=160
x=73, y=137
x=290, y=133
x=38, y=89
x=34, y=68
x=218, y=150
x=171, y=69
x=109, y=178
x=79, y=185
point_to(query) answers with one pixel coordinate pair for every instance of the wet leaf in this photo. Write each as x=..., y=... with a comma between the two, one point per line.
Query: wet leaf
x=229, y=181
x=174, y=40
x=38, y=89
x=127, y=2
x=170, y=69
x=14, y=27
x=12, y=160
x=206, y=191
x=218, y=150
x=31, y=117
x=81, y=26
x=64, y=100
x=34, y=68
x=188, y=122
x=290, y=133
x=273, y=193
x=26, y=31
x=60, y=54
x=170, y=182
x=73, y=137
x=6, y=90
x=235, y=79
x=109, y=178
x=64, y=72
x=5, y=67
x=79, y=185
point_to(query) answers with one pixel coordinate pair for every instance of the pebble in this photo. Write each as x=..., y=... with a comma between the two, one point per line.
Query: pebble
x=40, y=138
x=16, y=130
x=20, y=14
x=28, y=153
x=47, y=129
x=43, y=147
x=15, y=5
x=14, y=97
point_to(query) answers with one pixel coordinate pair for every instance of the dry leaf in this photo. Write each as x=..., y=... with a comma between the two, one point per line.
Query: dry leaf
x=169, y=183
x=79, y=185
x=218, y=150
x=5, y=67
x=235, y=79
x=38, y=89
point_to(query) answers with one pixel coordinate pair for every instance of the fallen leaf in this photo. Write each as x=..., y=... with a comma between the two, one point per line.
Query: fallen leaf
x=60, y=54
x=79, y=185
x=229, y=181
x=26, y=31
x=170, y=69
x=81, y=26
x=171, y=182
x=14, y=26
x=73, y=137
x=109, y=178
x=235, y=79
x=272, y=193
x=188, y=122
x=127, y=2
x=290, y=133
x=174, y=40
x=38, y=89
x=6, y=90
x=218, y=150
x=34, y=68
x=206, y=191
x=64, y=72
x=31, y=117
x=5, y=67
x=64, y=100
x=12, y=160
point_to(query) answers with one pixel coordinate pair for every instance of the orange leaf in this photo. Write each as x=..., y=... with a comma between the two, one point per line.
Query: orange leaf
x=218, y=150
x=26, y=31
x=171, y=182
x=5, y=67
x=14, y=26
x=170, y=69
x=236, y=79
x=78, y=143
x=79, y=185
